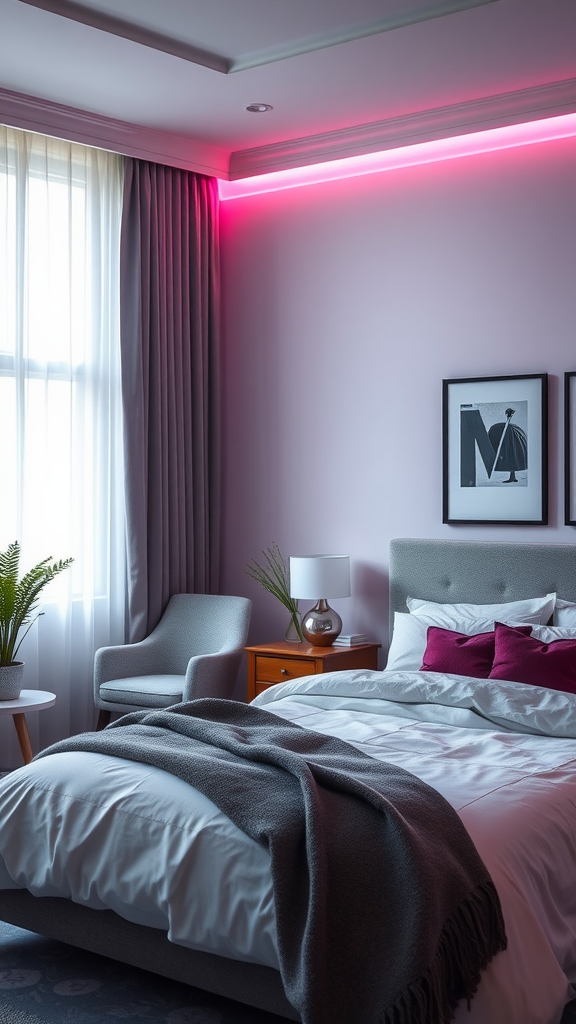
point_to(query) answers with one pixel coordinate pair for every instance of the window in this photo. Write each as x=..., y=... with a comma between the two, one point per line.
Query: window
x=60, y=403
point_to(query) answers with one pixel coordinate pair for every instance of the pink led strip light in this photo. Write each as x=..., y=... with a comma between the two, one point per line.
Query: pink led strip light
x=509, y=137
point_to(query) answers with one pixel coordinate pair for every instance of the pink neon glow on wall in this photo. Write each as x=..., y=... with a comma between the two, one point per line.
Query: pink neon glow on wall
x=489, y=141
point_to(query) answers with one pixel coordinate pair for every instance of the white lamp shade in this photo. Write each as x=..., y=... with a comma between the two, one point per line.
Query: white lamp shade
x=319, y=576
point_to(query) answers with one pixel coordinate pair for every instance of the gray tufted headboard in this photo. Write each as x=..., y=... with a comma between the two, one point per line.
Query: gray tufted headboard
x=479, y=572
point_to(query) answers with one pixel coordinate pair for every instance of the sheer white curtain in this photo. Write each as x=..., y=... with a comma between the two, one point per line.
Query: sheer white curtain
x=61, y=472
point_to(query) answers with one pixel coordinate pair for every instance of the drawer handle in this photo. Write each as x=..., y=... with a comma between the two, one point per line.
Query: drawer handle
x=283, y=671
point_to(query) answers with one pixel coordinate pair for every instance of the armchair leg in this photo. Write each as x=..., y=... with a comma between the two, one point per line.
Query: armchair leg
x=103, y=718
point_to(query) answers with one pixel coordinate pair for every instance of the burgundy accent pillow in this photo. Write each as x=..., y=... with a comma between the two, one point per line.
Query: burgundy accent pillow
x=525, y=659
x=460, y=654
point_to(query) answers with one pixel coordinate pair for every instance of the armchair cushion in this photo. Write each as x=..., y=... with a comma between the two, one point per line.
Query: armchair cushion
x=158, y=691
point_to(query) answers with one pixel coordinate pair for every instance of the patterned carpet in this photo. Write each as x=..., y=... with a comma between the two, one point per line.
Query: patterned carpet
x=46, y=982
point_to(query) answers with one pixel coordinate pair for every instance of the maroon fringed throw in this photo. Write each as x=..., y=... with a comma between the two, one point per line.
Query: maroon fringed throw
x=385, y=913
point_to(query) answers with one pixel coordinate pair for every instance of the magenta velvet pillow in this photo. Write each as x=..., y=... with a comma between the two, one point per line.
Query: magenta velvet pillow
x=460, y=654
x=525, y=659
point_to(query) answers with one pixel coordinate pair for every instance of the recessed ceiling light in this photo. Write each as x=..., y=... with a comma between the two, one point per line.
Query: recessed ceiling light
x=258, y=108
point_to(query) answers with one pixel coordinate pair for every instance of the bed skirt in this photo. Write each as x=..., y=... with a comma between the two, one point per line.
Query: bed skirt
x=105, y=933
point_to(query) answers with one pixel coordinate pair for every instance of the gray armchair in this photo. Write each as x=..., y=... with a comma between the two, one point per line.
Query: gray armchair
x=194, y=651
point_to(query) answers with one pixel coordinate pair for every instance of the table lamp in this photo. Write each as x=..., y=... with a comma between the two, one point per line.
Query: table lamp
x=319, y=577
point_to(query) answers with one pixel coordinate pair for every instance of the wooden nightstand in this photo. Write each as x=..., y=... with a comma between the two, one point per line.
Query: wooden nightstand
x=269, y=664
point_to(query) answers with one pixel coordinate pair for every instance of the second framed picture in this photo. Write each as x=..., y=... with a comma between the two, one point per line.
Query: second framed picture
x=570, y=448
x=495, y=450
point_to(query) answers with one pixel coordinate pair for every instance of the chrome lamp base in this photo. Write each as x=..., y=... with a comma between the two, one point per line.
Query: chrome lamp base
x=321, y=625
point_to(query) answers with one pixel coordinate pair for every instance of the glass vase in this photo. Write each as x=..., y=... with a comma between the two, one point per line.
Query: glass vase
x=293, y=633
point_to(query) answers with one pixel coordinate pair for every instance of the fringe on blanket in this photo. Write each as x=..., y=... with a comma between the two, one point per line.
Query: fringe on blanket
x=477, y=926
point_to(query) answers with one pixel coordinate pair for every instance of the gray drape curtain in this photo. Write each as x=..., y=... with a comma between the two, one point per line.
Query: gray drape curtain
x=170, y=297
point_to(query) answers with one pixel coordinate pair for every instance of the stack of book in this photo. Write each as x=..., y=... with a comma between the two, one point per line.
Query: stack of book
x=350, y=639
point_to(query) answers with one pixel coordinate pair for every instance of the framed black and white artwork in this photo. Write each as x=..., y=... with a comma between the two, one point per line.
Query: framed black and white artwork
x=570, y=448
x=495, y=450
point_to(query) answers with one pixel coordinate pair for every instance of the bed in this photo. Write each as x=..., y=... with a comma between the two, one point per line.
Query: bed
x=470, y=739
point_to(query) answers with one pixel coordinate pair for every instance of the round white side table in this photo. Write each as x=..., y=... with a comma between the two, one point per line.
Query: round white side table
x=29, y=700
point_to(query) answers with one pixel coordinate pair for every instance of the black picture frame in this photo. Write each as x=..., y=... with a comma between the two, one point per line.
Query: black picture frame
x=570, y=448
x=495, y=450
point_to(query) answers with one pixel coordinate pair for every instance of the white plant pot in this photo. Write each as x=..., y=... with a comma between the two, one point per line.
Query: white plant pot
x=11, y=680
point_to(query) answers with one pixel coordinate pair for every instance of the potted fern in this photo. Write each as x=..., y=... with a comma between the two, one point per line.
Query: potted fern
x=18, y=611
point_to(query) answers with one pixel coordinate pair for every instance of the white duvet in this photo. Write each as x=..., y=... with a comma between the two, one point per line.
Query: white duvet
x=112, y=833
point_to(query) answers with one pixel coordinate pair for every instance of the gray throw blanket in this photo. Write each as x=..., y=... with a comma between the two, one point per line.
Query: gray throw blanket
x=385, y=913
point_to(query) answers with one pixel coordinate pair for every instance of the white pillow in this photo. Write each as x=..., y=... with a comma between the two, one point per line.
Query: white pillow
x=534, y=610
x=547, y=634
x=410, y=637
x=565, y=613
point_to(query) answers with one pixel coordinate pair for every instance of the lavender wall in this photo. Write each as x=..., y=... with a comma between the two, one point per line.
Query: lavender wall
x=345, y=304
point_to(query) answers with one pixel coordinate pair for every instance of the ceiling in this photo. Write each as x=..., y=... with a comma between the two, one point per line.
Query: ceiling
x=172, y=78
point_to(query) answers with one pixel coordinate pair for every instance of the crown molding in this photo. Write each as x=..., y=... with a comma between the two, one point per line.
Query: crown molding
x=498, y=111
x=37, y=115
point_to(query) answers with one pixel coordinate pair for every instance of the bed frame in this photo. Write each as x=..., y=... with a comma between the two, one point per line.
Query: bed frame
x=435, y=570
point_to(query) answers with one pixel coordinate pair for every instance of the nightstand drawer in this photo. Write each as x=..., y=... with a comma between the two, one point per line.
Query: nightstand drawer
x=280, y=670
x=281, y=662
